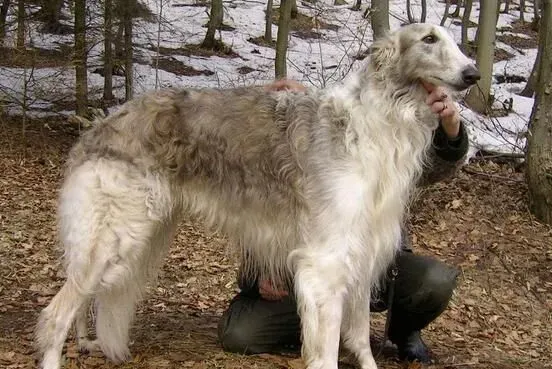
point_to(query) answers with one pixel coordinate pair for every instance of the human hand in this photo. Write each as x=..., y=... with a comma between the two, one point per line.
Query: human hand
x=442, y=105
x=285, y=85
x=271, y=293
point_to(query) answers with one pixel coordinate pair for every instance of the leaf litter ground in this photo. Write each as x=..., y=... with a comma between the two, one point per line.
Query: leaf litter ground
x=499, y=317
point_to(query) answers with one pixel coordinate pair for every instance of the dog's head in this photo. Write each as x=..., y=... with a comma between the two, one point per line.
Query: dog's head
x=424, y=52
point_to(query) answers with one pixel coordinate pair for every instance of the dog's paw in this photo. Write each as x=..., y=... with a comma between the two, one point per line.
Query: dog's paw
x=87, y=346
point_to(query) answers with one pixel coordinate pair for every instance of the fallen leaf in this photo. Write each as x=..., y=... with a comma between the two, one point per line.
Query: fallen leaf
x=296, y=364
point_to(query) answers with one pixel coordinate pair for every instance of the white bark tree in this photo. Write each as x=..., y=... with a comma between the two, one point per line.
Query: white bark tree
x=539, y=148
x=478, y=97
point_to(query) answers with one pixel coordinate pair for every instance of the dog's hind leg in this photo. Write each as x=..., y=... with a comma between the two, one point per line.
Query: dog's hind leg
x=356, y=328
x=115, y=310
x=54, y=323
x=107, y=225
x=320, y=302
x=124, y=285
x=84, y=343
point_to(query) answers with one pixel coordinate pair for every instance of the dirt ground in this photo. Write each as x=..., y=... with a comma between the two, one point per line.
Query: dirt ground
x=499, y=317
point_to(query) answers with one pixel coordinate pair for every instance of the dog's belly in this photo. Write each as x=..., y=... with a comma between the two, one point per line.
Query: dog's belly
x=264, y=226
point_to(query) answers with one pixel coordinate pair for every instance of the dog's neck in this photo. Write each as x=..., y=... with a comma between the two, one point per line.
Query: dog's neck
x=389, y=116
x=367, y=90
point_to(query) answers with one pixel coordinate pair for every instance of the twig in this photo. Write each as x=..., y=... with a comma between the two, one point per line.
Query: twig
x=491, y=176
x=489, y=154
x=467, y=363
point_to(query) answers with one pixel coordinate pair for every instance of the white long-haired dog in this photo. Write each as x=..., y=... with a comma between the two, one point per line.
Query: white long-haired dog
x=312, y=186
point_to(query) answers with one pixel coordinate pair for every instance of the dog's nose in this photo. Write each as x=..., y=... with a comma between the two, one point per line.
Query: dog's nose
x=471, y=75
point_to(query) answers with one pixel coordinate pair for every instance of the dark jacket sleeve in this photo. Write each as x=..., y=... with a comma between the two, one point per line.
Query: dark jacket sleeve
x=446, y=155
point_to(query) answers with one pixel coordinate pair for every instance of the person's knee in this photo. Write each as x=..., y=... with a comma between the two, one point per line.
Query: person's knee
x=236, y=339
x=439, y=282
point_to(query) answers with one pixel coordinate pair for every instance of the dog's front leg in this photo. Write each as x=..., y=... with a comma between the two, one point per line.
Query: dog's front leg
x=356, y=327
x=320, y=296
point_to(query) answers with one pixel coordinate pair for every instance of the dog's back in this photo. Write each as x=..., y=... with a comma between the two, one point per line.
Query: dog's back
x=234, y=158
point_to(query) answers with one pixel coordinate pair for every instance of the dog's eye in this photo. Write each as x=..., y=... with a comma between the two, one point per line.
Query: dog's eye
x=429, y=39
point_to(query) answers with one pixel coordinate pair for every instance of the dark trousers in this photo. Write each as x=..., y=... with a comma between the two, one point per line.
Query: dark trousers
x=423, y=288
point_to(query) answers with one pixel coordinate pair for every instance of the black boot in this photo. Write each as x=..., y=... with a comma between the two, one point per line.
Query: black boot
x=412, y=348
x=423, y=289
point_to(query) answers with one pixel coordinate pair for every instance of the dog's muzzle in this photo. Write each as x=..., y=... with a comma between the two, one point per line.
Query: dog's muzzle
x=470, y=75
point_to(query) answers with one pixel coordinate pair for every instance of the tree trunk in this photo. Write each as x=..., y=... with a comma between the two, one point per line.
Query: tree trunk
x=127, y=24
x=536, y=15
x=466, y=26
x=268, y=22
x=529, y=89
x=215, y=22
x=294, y=10
x=21, y=15
x=51, y=10
x=456, y=12
x=358, y=4
x=409, y=13
x=380, y=18
x=81, y=83
x=423, y=16
x=3, y=17
x=119, y=40
x=446, y=13
x=478, y=97
x=539, y=145
x=282, y=39
x=506, y=6
x=108, y=54
x=522, y=11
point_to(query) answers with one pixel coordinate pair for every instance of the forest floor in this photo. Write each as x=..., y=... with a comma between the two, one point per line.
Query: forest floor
x=500, y=315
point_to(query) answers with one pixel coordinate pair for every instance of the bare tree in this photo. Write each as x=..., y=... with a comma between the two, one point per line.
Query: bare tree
x=423, y=16
x=459, y=5
x=379, y=17
x=215, y=22
x=282, y=39
x=127, y=24
x=536, y=15
x=445, y=13
x=119, y=39
x=478, y=97
x=409, y=12
x=268, y=21
x=466, y=25
x=411, y=18
x=506, y=6
x=529, y=89
x=108, y=53
x=539, y=148
x=159, y=20
x=21, y=15
x=81, y=83
x=294, y=11
x=51, y=11
x=522, y=11
x=3, y=17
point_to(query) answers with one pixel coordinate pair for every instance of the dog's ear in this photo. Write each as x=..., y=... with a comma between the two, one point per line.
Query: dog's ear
x=384, y=51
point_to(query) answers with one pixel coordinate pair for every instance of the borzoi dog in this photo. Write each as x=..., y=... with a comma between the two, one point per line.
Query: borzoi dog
x=312, y=186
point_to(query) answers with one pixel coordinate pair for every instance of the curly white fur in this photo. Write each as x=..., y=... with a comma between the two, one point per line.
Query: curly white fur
x=317, y=182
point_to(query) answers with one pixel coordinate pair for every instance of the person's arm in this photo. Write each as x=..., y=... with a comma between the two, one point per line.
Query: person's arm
x=252, y=287
x=285, y=85
x=450, y=141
